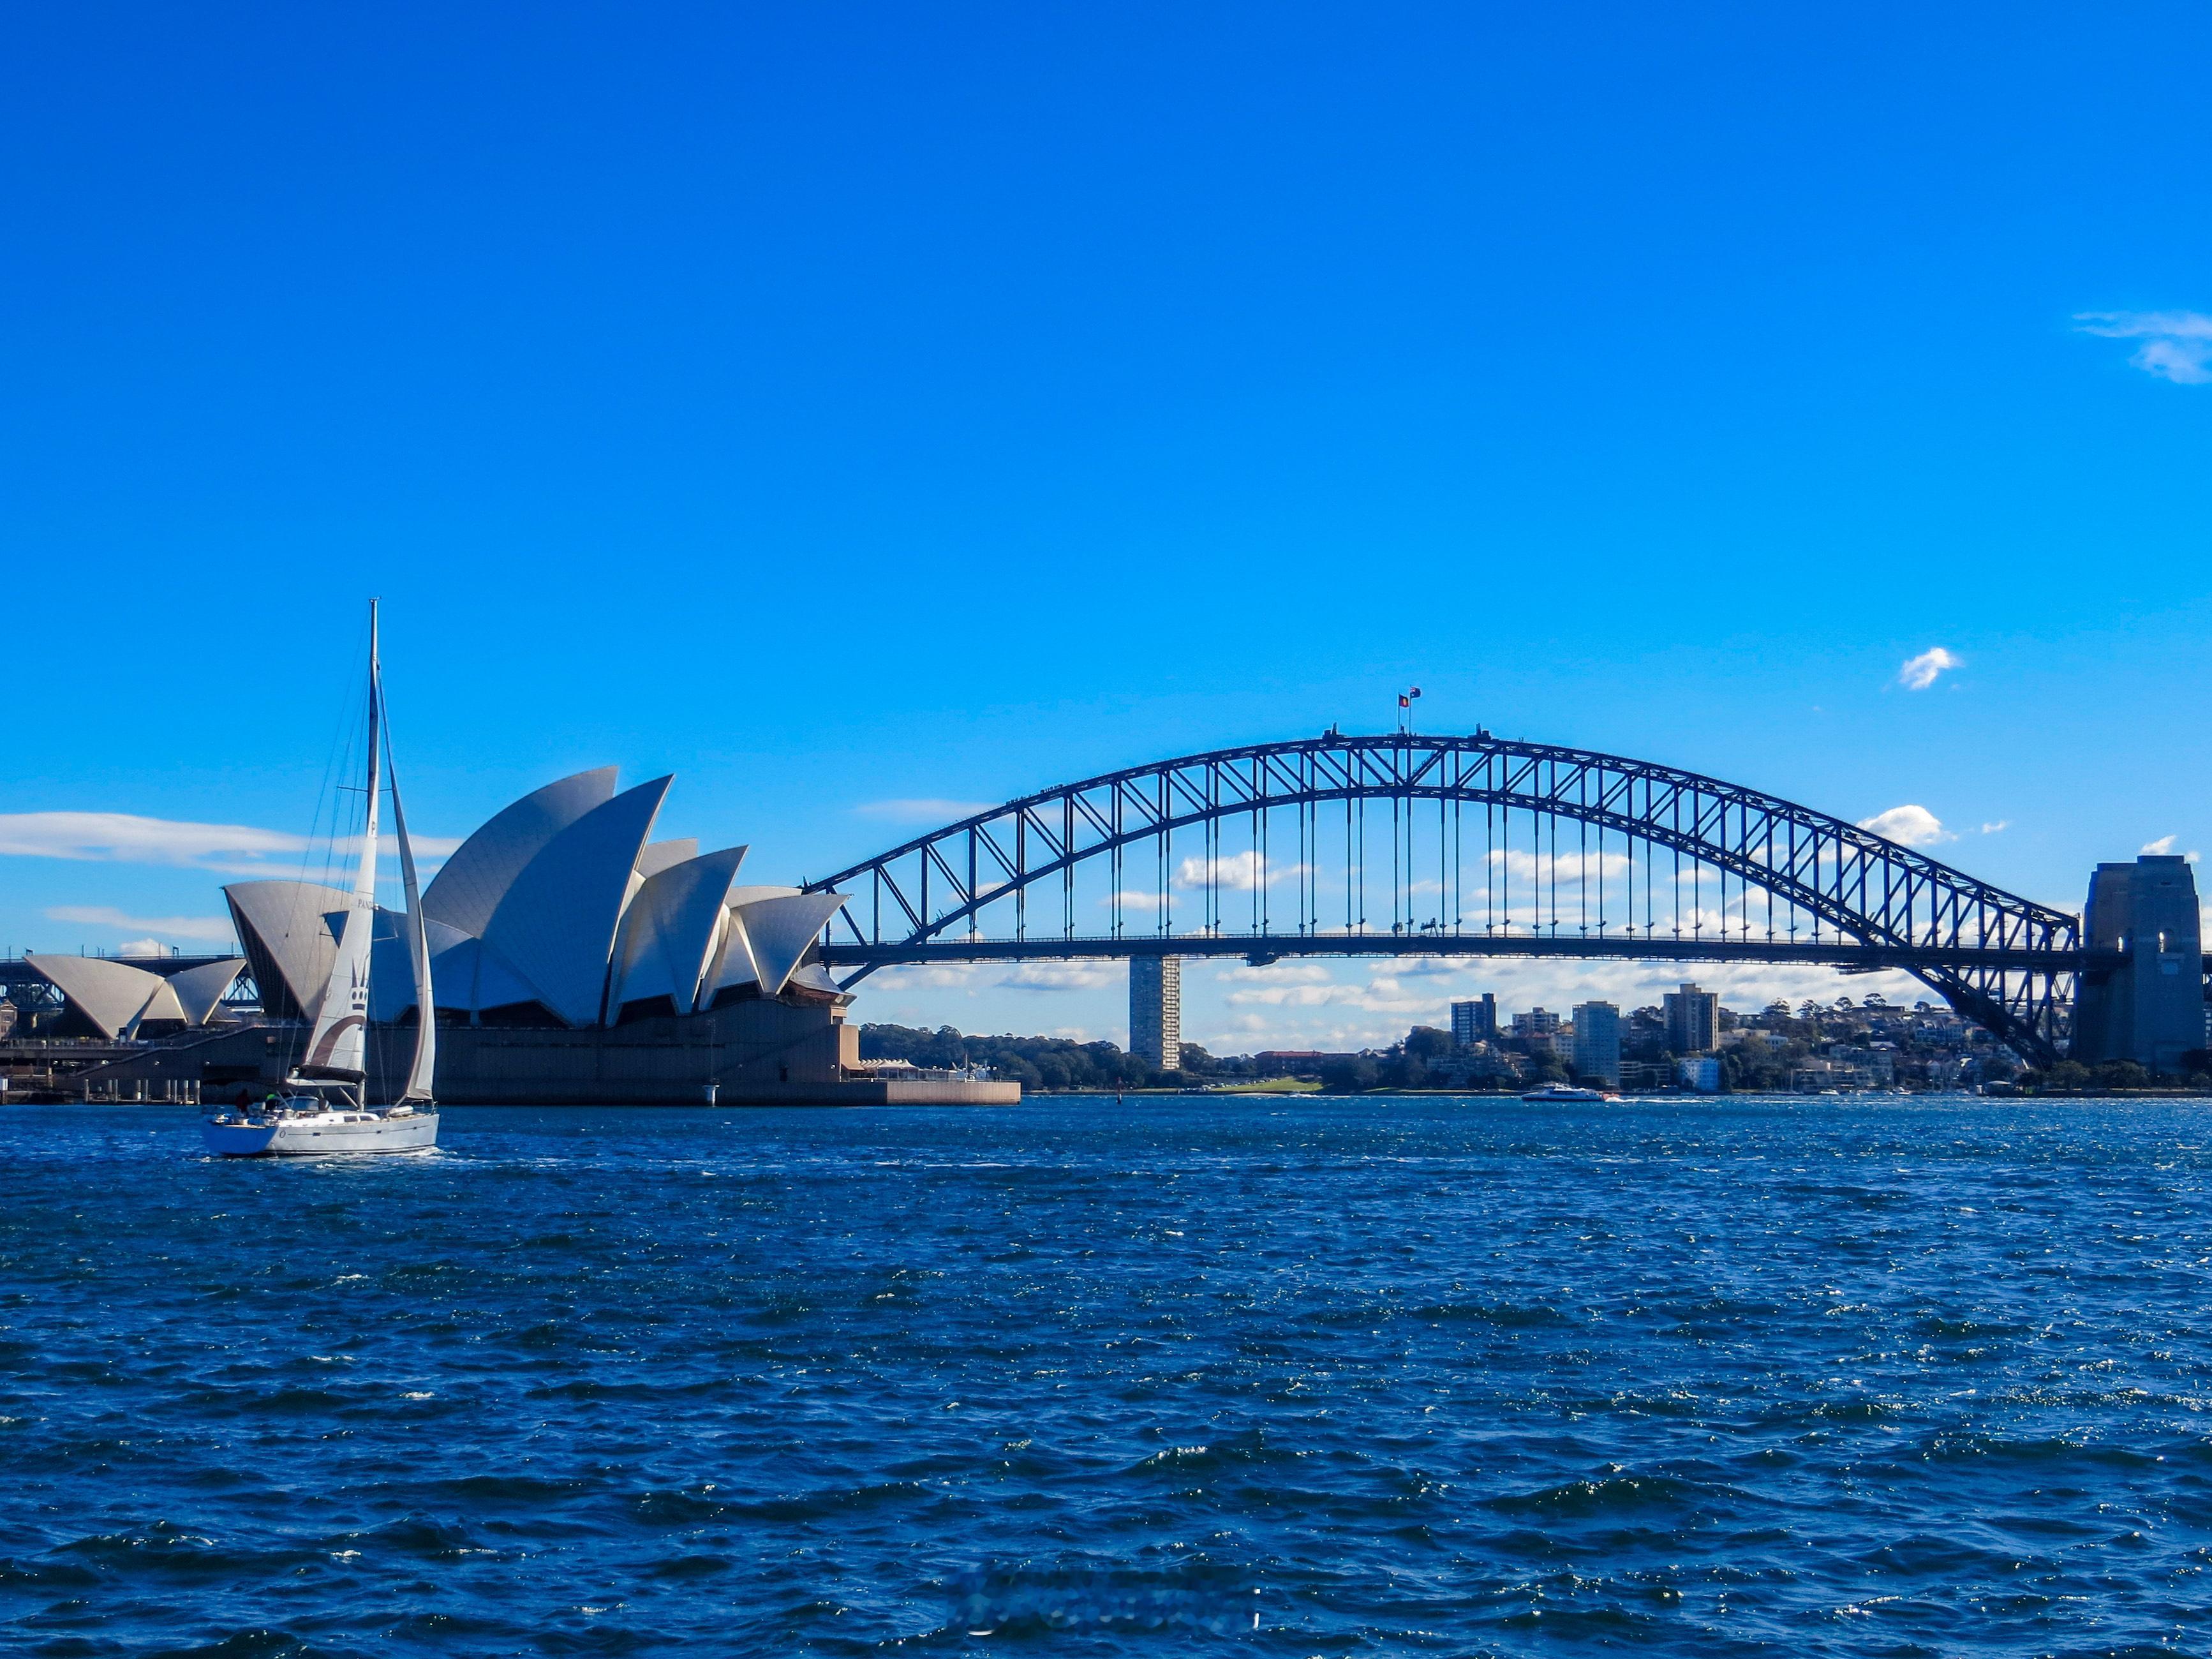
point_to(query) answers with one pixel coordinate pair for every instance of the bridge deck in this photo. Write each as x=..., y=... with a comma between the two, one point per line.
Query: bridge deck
x=1850, y=957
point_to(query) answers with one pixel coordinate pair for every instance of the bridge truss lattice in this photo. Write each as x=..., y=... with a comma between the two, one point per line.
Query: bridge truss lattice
x=1405, y=844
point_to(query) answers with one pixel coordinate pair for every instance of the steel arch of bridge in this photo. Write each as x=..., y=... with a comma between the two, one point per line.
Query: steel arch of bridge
x=1847, y=895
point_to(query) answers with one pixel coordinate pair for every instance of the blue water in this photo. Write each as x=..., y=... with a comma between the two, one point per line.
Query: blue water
x=1283, y=1376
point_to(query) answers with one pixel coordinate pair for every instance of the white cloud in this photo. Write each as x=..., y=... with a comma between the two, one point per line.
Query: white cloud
x=1238, y=873
x=968, y=976
x=1285, y=972
x=1427, y=967
x=1379, y=996
x=2177, y=345
x=127, y=838
x=973, y=977
x=1998, y=828
x=922, y=811
x=142, y=947
x=1565, y=868
x=2162, y=846
x=1131, y=898
x=1909, y=826
x=1918, y=673
x=211, y=928
x=1063, y=976
x=237, y=849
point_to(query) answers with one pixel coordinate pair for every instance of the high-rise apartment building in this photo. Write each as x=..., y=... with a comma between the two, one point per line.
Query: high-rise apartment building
x=1156, y=1011
x=1474, y=1021
x=1535, y=1023
x=1597, y=1042
x=1693, y=1020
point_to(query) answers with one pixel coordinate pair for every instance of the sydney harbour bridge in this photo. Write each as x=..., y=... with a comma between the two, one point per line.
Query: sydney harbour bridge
x=1441, y=846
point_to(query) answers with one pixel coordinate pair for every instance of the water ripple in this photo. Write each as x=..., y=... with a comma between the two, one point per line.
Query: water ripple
x=1403, y=1376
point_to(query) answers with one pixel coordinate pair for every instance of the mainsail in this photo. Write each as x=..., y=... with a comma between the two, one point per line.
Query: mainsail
x=335, y=1047
x=422, y=1075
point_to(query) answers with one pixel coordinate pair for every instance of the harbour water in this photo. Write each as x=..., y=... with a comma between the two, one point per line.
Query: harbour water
x=1279, y=1375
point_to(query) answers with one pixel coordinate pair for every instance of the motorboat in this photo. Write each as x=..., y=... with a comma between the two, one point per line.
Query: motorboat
x=1560, y=1094
x=323, y=1107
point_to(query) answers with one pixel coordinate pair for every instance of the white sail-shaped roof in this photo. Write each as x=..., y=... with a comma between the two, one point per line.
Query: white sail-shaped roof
x=111, y=995
x=392, y=974
x=666, y=854
x=813, y=977
x=671, y=931
x=778, y=927
x=200, y=991
x=469, y=888
x=161, y=1006
x=555, y=924
x=463, y=975
x=284, y=926
x=733, y=964
x=652, y=860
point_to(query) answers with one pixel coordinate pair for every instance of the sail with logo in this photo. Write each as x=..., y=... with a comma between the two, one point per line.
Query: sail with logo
x=324, y=1108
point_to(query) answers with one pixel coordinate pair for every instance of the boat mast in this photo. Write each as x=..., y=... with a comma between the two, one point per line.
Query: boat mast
x=336, y=1050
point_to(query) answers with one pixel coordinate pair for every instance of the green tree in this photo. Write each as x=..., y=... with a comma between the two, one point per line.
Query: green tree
x=1426, y=1041
x=1351, y=1075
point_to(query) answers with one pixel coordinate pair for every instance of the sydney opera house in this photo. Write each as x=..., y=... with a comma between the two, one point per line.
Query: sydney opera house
x=573, y=958
x=563, y=912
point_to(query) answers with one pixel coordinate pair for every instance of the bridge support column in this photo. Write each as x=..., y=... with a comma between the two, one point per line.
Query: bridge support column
x=1156, y=1011
x=2150, y=1006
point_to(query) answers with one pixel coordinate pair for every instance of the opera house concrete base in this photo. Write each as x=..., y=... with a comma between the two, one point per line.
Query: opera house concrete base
x=757, y=1051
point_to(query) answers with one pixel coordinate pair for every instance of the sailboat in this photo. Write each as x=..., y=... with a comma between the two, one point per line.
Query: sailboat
x=324, y=1107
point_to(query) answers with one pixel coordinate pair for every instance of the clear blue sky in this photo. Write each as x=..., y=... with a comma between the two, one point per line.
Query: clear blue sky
x=848, y=405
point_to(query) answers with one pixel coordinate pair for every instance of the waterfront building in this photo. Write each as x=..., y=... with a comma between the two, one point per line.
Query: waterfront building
x=1693, y=1019
x=1876, y=1063
x=1597, y=1042
x=562, y=912
x=1156, y=1011
x=1474, y=1021
x=1539, y=1031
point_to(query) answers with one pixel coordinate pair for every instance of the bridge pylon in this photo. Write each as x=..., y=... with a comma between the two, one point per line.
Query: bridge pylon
x=2141, y=997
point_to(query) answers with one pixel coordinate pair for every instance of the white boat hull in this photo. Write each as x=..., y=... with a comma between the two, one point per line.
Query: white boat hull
x=317, y=1133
